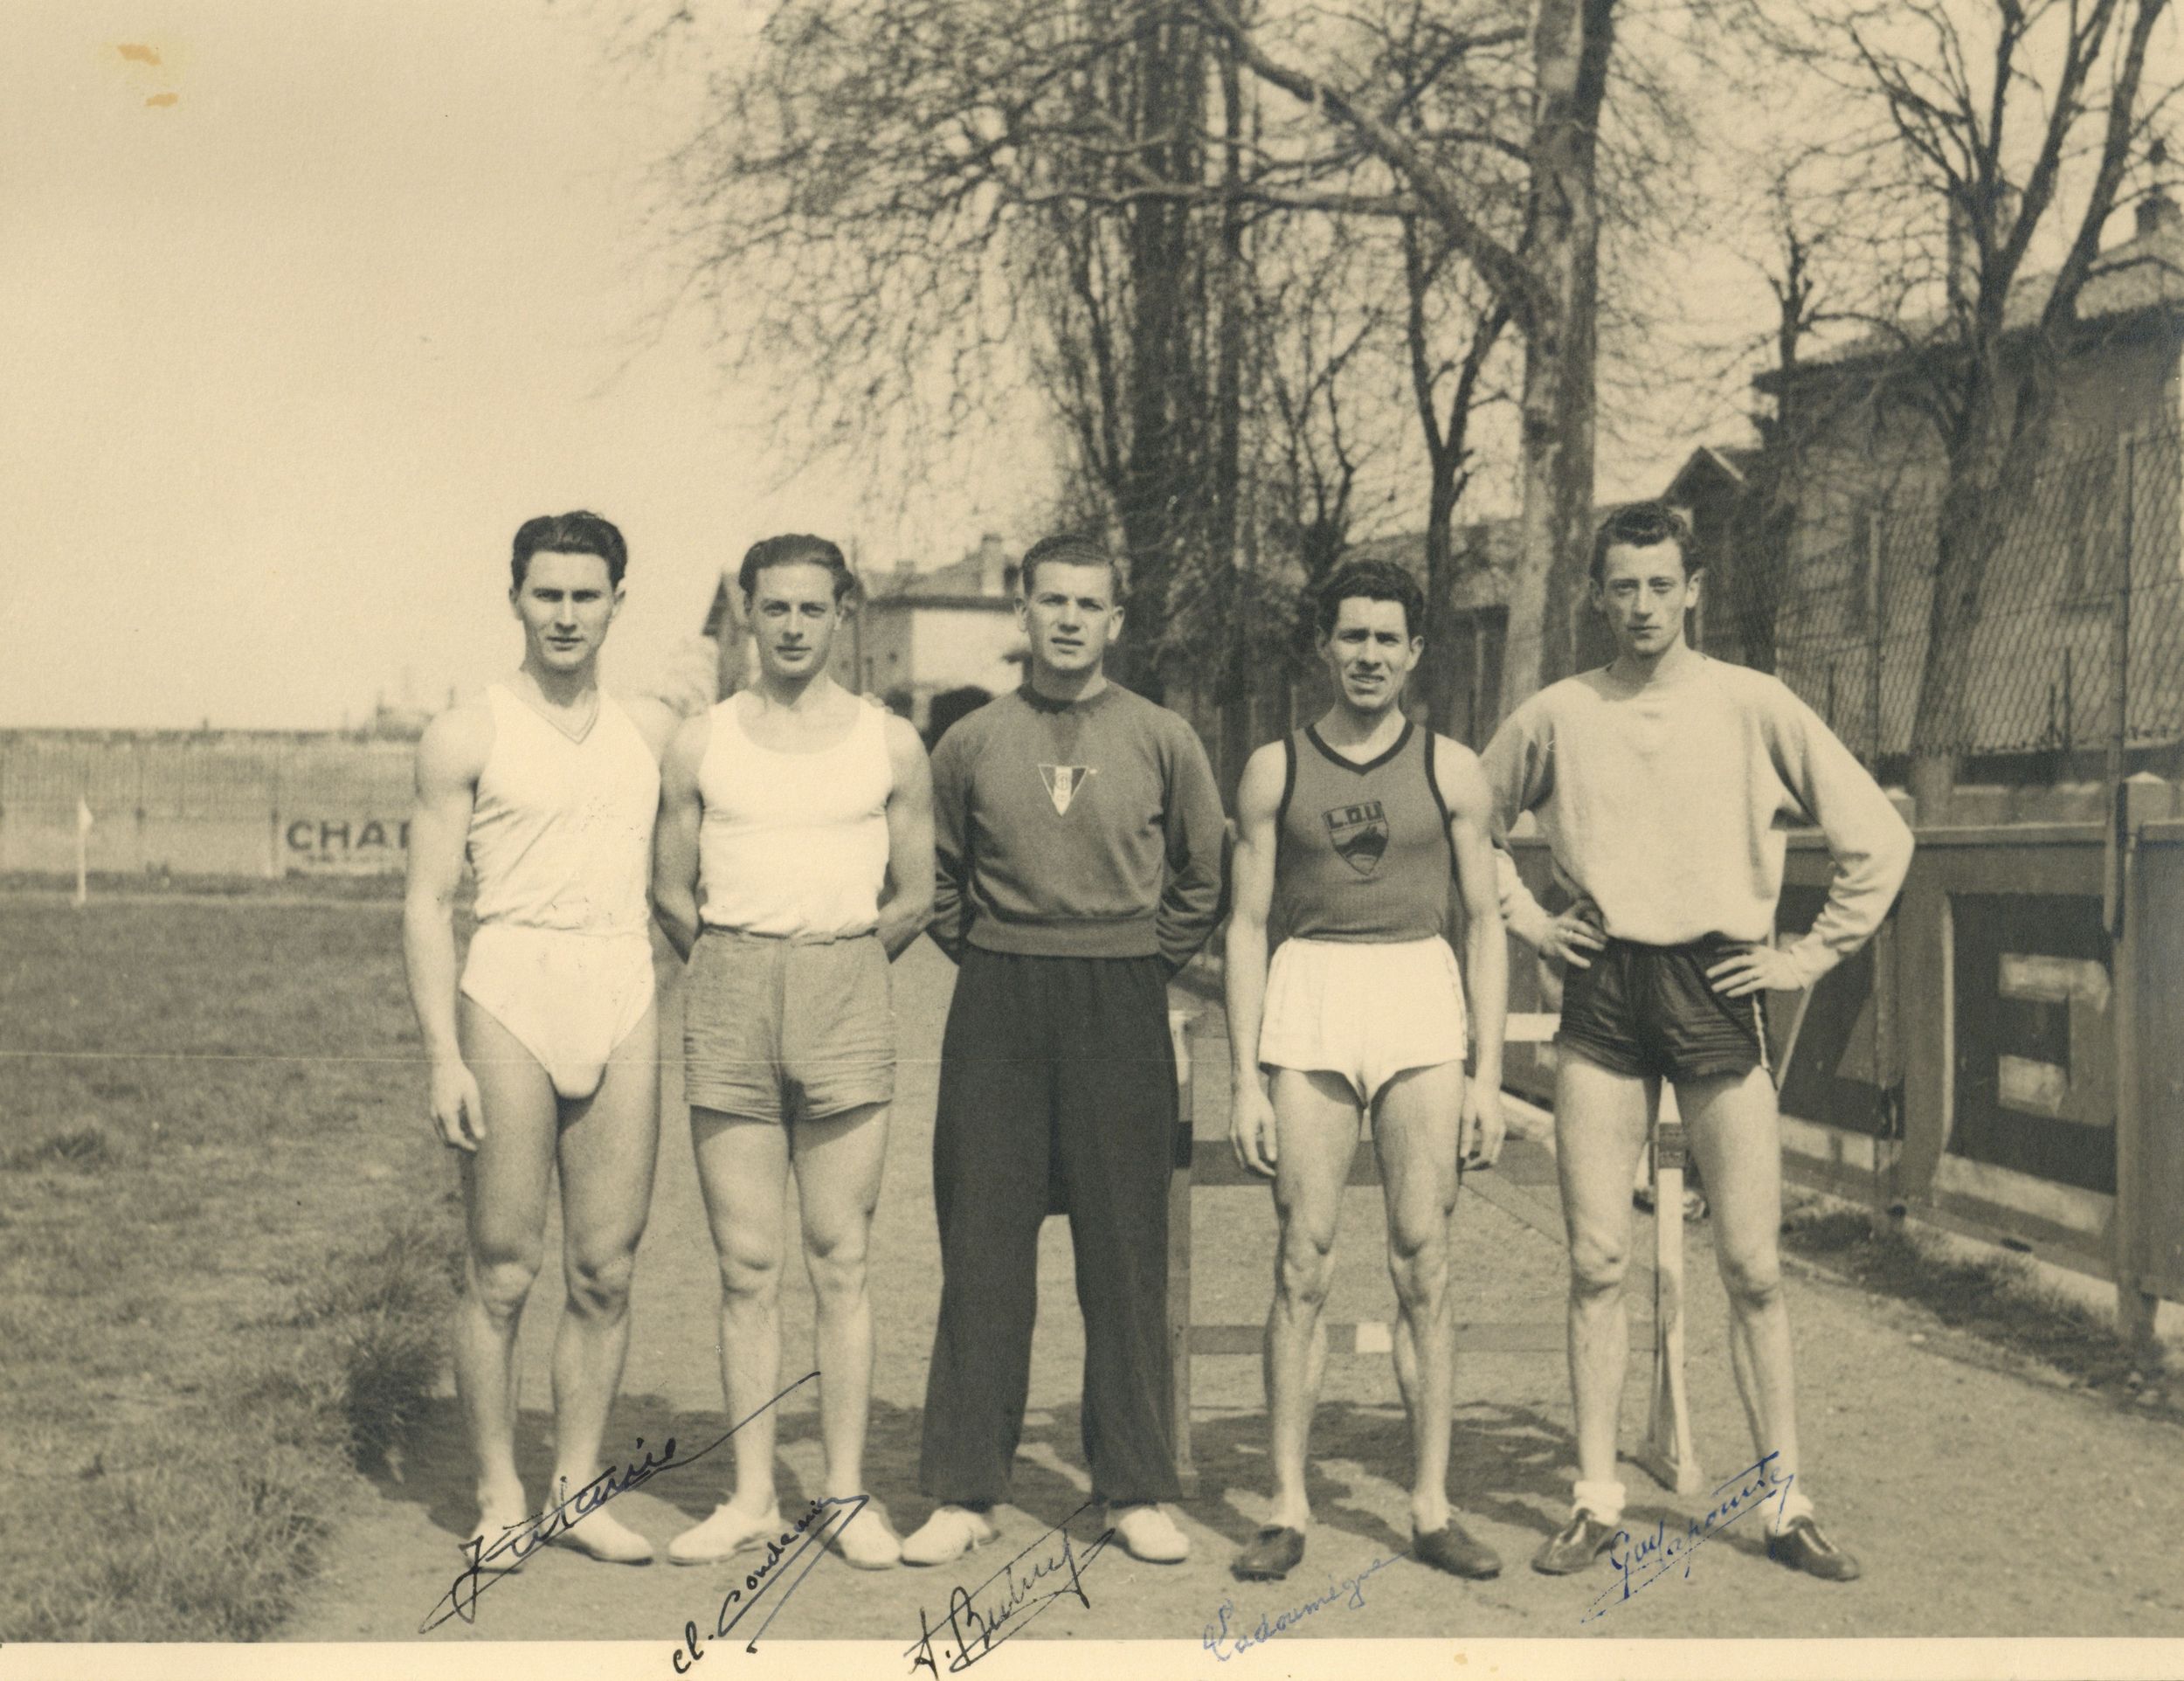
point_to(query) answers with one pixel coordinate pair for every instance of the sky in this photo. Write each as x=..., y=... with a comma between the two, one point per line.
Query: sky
x=309, y=304
x=308, y=307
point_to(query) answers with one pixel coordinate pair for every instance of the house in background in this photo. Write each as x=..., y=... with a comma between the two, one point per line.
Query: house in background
x=915, y=636
x=2058, y=649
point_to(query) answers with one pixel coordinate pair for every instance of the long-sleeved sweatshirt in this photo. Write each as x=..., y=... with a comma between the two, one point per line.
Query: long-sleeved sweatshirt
x=1665, y=805
x=1086, y=828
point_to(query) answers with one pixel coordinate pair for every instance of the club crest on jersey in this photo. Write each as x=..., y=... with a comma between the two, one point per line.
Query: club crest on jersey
x=1062, y=782
x=1359, y=835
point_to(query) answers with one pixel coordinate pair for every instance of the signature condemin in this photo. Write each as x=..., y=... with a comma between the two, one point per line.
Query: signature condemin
x=1221, y=1632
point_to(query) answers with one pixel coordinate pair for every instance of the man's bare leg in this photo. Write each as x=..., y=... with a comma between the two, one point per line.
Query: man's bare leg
x=1736, y=1135
x=838, y=1162
x=504, y=1196
x=609, y=1144
x=743, y=1171
x=1316, y=1136
x=1416, y=1120
x=1600, y=1129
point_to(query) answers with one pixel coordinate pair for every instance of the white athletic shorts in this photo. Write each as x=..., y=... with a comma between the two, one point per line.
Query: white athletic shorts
x=1366, y=1012
x=567, y=999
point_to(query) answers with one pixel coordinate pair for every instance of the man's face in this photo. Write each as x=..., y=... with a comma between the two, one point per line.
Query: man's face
x=1370, y=652
x=1645, y=592
x=566, y=603
x=1069, y=616
x=793, y=616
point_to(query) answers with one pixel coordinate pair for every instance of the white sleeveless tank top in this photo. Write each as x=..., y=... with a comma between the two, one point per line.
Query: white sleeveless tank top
x=794, y=844
x=561, y=836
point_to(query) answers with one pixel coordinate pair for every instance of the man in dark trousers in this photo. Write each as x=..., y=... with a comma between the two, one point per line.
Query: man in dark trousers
x=1079, y=836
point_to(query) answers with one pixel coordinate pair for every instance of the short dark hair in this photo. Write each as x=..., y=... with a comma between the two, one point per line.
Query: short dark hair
x=1071, y=549
x=795, y=548
x=1641, y=525
x=576, y=533
x=1371, y=580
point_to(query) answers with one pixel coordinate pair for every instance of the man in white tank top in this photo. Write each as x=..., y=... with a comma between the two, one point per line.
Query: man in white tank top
x=549, y=1051
x=794, y=862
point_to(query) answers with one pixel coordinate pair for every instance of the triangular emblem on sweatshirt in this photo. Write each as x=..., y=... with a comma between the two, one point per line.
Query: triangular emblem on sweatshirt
x=1062, y=782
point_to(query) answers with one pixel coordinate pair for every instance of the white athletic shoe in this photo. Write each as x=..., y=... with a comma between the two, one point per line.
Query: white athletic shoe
x=726, y=1532
x=867, y=1541
x=601, y=1535
x=1146, y=1531
x=947, y=1535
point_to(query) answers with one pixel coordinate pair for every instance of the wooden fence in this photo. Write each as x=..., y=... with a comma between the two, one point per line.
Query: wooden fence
x=2005, y=1058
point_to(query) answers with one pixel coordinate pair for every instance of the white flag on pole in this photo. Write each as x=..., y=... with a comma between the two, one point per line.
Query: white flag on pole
x=83, y=815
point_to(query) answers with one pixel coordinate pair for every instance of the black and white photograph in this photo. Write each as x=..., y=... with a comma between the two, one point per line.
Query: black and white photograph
x=862, y=836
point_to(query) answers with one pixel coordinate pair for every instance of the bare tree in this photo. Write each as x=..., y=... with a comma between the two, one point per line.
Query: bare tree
x=1543, y=151
x=1989, y=127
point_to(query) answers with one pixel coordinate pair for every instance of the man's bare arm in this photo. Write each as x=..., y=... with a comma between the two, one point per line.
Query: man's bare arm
x=1485, y=950
x=450, y=757
x=906, y=904
x=676, y=835
x=1244, y=982
x=656, y=721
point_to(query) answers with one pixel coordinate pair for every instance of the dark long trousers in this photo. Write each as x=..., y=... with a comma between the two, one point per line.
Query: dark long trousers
x=1057, y=1088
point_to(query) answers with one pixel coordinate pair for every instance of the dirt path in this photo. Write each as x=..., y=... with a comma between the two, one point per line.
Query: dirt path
x=1982, y=1502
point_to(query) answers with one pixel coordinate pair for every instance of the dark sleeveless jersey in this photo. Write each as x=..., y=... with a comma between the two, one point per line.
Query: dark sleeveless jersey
x=1362, y=851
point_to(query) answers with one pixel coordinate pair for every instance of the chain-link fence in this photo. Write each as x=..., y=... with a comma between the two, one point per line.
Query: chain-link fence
x=2074, y=645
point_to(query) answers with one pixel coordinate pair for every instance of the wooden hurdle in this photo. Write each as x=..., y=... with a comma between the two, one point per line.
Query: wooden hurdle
x=1514, y=1185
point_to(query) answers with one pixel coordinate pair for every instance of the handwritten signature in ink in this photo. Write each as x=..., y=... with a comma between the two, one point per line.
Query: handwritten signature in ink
x=808, y=1533
x=1050, y=1569
x=487, y=1562
x=1642, y=1559
x=1349, y=1591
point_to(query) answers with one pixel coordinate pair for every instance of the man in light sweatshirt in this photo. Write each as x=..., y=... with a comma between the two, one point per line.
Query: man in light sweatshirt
x=1079, y=838
x=1663, y=782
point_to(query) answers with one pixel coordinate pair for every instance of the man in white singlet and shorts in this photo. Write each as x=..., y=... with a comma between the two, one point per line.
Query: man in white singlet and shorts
x=1354, y=826
x=794, y=862
x=549, y=1051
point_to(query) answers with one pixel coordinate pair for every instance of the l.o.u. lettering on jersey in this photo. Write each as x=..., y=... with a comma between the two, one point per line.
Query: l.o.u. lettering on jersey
x=1063, y=782
x=1359, y=835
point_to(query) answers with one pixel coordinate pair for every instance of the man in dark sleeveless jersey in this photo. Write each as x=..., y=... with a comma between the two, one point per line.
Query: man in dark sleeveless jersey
x=1352, y=826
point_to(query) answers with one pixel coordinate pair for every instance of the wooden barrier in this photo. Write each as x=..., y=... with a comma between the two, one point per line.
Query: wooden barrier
x=2000, y=1061
x=1521, y=1184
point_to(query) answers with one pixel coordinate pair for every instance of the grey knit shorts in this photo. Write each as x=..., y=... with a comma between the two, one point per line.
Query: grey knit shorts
x=783, y=1029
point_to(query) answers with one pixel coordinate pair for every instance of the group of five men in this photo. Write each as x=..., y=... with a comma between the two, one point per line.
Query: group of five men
x=1066, y=846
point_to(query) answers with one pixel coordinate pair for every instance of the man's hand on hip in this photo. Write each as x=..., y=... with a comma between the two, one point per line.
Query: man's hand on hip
x=1755, y=969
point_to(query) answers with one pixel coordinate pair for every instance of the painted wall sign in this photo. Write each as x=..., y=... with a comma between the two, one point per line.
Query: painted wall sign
x=345, y=845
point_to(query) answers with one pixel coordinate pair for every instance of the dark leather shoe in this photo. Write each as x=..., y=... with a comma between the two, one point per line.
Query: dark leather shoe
x=1802, y=1546
x=1275, y=1551
x=1574, y=1547
x=1449, y=1548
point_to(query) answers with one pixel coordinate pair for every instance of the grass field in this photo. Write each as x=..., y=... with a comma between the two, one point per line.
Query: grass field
x=225, y=1250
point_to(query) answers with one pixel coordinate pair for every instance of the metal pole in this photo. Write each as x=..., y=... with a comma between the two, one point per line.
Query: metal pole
x=2119, y=641
x=1873, y=623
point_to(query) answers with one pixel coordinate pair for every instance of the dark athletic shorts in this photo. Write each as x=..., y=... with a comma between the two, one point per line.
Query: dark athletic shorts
x=1650, y=1009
